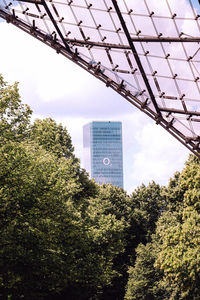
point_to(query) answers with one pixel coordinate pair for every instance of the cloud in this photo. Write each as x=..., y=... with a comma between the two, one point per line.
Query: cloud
x=159, y=155
x=54, y=76
x=50, y=83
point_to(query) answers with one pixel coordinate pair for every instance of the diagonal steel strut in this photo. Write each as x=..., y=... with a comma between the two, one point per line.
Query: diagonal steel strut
x=42, y=2
x=136, y=56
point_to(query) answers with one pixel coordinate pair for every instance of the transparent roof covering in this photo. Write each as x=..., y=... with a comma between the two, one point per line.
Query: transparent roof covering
x=147, y=51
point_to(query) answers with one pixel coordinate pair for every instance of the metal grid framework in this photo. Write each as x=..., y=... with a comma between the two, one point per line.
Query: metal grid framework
x=148, y=51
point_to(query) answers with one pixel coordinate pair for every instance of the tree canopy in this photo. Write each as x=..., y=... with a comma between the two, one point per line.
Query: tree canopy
x=172, y=266
x=53, y=235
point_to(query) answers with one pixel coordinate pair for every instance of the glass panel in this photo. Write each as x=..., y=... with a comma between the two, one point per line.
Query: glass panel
x=158, y=7
x=166, y=27
x=137, y=6
x=181, y=8
x=160, y=66
x=104, y=20
x=182, y=69
x=145, y=25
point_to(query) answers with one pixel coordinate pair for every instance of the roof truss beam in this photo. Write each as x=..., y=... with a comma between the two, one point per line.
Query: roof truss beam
x=136, y=56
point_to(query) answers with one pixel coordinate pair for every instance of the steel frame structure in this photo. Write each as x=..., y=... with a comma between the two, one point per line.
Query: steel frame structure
x=149, y=96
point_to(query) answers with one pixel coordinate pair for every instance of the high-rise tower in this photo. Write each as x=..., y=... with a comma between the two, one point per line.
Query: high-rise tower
x=103, y=159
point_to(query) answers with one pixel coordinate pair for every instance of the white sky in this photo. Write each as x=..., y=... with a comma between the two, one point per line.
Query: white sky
x=55, y=87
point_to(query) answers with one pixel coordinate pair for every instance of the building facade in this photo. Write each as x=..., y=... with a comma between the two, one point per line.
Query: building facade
x=103, y=157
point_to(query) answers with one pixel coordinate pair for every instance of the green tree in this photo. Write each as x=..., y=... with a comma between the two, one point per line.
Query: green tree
x=114, y=201
x=147, y=204
x=55, y=241
x=55, y=139
x=47, y=246
x=36, y=192
x=170, y=270
x=179, y=256
x=139, y=212
x=179, y=242
x=144, y=278
x=14, y=116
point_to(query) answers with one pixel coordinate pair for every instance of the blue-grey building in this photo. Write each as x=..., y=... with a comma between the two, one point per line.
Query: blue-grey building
x=103, y=157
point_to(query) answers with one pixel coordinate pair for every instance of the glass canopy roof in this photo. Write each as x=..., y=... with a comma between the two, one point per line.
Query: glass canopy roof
x=146, y=50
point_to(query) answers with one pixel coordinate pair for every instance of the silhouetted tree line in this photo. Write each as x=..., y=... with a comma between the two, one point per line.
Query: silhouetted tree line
x=62, y=236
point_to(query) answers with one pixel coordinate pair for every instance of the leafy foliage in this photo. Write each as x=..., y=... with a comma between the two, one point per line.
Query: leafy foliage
x=53, y=235
x=147, y=205
x=35, y=201
x=14, y=116
x=54, y=138
x=179, y=242
x=144, y=278
x=140, y=212
x=171, y=269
